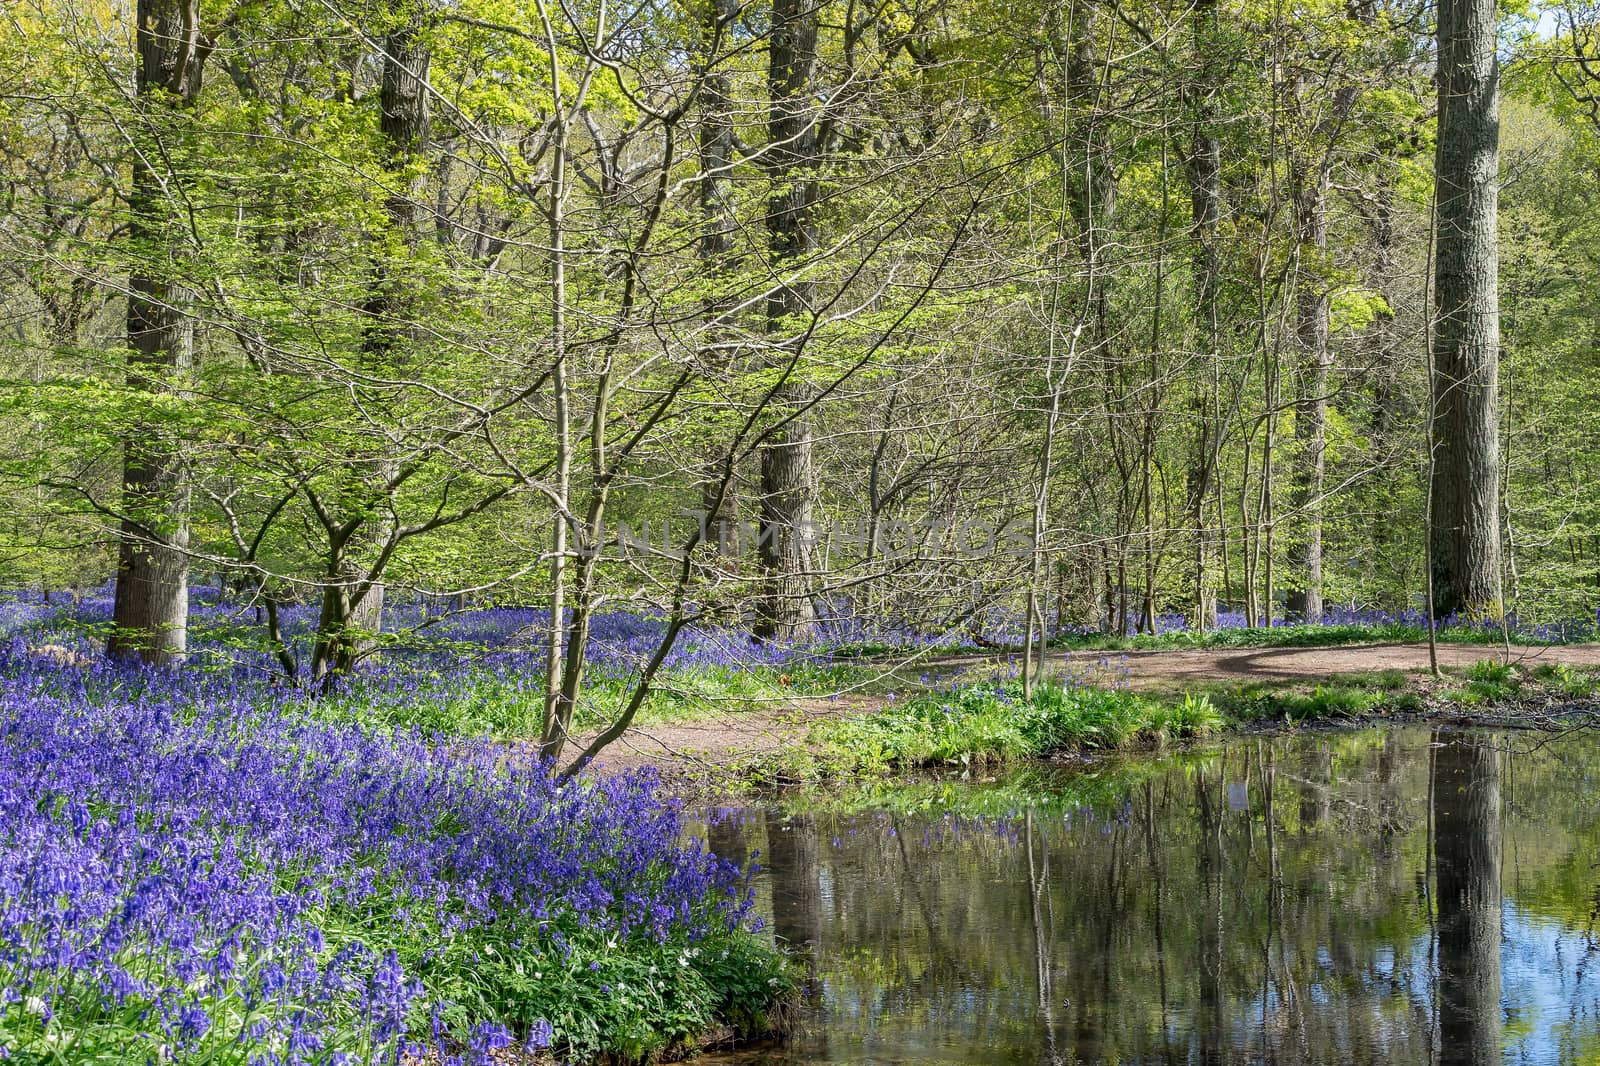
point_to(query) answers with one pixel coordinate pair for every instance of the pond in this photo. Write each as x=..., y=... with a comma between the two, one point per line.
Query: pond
x=1396, y=896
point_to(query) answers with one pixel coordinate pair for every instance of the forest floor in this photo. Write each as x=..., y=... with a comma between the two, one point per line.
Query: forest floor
x=1158, y=670
x=699, y=755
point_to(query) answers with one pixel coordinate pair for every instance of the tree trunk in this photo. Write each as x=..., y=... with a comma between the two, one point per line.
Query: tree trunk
x=405, y=124
x=1311, y=404
x=347, y=623
x=1466, y=341
x=1205, y=187
x=1386, y=390
x=150, y=613
x=787, y=490
x=721, y=506
x=1466, y=818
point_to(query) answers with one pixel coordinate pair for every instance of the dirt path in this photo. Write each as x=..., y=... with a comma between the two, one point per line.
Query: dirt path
x=1175, y=669
x=703, y=749
x=694, y=755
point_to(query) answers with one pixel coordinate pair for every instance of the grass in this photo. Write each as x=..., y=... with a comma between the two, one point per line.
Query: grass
x=1488, y=681
x=1355, y=697
x=1287, y=636
x=483, y=702
x=991, y=725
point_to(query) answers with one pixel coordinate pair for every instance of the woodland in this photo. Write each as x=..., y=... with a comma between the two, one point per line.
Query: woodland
x=918, y=315
x=392, y=386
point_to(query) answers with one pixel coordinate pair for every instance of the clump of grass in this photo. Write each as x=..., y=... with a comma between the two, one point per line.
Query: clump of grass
x=1488, y=681
x=985, y=725
x=1382, y=680
x=1567, y=681
x=1358, y=696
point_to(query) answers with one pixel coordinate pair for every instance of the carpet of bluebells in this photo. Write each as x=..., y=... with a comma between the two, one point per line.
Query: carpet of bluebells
x=194, y=870
x=209, y=863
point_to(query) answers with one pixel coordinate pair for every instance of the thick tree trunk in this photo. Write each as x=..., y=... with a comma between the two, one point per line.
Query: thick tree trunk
x=405, y=123
x=151, y=610
x=787, y=488
x=786, y=524
x=1466, y=819
x=1466, y=342
x=1311, y=403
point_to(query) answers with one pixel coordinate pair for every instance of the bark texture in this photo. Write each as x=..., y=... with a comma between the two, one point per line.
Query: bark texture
x=1205, y=199
x=787, y=488
x=352, y=599
x=1466, y=341
x=150, y=613
x=719, y=224
x=1311, y=402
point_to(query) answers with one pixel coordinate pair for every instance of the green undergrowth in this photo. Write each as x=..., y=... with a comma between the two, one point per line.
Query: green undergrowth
x=1489, y=682
x=994, y=724
x=1348, y=696
x=975, y=727
x=481, y=702
x=1486, y=681
x=1566, y=681
x=628, y=1001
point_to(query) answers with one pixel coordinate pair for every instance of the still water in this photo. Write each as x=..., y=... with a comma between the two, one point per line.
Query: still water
x=1395, y=896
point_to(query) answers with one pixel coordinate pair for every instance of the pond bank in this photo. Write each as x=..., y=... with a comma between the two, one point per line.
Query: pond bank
x=730, y=753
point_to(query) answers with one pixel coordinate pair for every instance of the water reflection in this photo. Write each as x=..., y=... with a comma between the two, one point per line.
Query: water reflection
x=1340, y=898
x=1466, y=818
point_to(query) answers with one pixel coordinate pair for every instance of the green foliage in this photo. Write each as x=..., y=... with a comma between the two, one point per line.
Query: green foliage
x=1039, y=787
x=1356, y=696
x=629, y=1000
x=1488, y=681
x=985, y=725
x=1568, y=681
x=1287, y=636
x=1301, y=636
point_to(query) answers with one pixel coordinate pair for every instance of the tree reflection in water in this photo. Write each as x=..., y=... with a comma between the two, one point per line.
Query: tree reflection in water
x=1293, y=900
x=1466, y=820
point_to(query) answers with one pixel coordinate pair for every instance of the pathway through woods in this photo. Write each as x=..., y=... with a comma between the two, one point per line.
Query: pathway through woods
x=701, y=749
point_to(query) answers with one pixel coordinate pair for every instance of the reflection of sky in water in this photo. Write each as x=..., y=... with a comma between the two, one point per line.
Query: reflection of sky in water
x=1549, y=997
x=989, y=940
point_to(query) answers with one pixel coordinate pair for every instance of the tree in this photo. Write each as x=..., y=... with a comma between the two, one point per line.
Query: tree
x=1465, y=540
x=151, y=613
x=787, y=486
